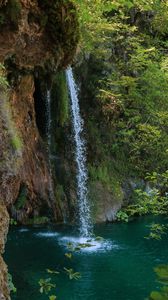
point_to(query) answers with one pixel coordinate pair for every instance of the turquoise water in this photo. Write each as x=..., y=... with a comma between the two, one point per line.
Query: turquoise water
x=120, y=268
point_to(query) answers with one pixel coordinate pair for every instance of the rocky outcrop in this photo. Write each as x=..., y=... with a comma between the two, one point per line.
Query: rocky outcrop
x=24, y=159
x=105, y=203
x=33, y=35
x=37, y=33
x=4, y=222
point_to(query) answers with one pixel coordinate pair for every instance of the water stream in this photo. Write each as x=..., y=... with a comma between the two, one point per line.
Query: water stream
x=49, y=140
x=85, y=224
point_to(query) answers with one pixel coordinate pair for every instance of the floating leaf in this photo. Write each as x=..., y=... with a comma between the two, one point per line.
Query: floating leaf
x=52, y=272
x=68, y=255
x=72, y=274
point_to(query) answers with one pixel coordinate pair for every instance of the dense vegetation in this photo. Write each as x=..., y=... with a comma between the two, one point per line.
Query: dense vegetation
x=125, y=72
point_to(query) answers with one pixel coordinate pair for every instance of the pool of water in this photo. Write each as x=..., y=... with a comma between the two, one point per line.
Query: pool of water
x=118, y=268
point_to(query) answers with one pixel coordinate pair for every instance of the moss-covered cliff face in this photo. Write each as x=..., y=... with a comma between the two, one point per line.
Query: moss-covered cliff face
x=34, y=35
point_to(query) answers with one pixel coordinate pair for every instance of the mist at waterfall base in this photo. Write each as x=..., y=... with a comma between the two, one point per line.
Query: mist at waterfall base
x=120, y=269
x=85, y=224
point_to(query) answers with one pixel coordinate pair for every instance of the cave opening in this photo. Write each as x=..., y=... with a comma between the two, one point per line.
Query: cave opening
x=40, y=107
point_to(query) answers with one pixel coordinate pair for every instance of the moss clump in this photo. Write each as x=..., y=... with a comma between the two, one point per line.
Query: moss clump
x=22, y=198
x=16, y=142
x=60, y=96
x=108, y=179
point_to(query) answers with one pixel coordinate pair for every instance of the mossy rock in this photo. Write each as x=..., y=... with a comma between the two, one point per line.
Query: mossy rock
x=61, y=25
x=61, y=99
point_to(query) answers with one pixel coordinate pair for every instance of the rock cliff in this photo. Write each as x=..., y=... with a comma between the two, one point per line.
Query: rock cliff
x=34, y=35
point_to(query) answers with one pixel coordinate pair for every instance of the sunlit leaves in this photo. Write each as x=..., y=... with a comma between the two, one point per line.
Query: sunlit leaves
x=156, y=231
x=68, y=255
x=72, y=274
x=162, y=274
x=46, y=285
x=52, y=297
x=52, y=272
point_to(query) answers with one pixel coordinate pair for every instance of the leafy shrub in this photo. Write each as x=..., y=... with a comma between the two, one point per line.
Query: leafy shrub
x=11, y=286
x=162, y=277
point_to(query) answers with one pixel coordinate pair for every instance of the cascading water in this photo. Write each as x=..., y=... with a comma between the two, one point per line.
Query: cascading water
x=48, y=131
x=48, y=127
x=80, y=157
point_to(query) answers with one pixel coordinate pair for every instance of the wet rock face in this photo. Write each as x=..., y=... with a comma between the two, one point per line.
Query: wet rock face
x=25, y=163
x=33, y=34
x=29, y=41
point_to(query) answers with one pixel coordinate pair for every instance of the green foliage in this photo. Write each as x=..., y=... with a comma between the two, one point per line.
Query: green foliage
x=46, y=285
x=52, y=297
x=156, y=231
x=103, y=173
x=68, y=255
x=16, y=142
x=122, y=216
x=22, y=198
x=52, y=272
x=127, y=91
x=13, y=222
x=72, y=275
x=91, y=20
x=162, y=275
x=11, y=286
x=148, y=203
x=60, y=95
x=155, y=201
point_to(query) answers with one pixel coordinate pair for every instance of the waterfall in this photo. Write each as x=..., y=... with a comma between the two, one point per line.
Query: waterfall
x=48, y=127
x=48, y=131
x=85, y=224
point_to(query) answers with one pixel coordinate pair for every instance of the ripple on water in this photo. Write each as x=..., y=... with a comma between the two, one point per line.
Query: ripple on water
x=23, y=230
x=47, y=234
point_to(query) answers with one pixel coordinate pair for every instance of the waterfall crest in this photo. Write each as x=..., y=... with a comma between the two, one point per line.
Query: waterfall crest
x=80, y=157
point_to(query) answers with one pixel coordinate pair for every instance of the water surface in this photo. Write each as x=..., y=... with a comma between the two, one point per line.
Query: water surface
x=120, y=268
